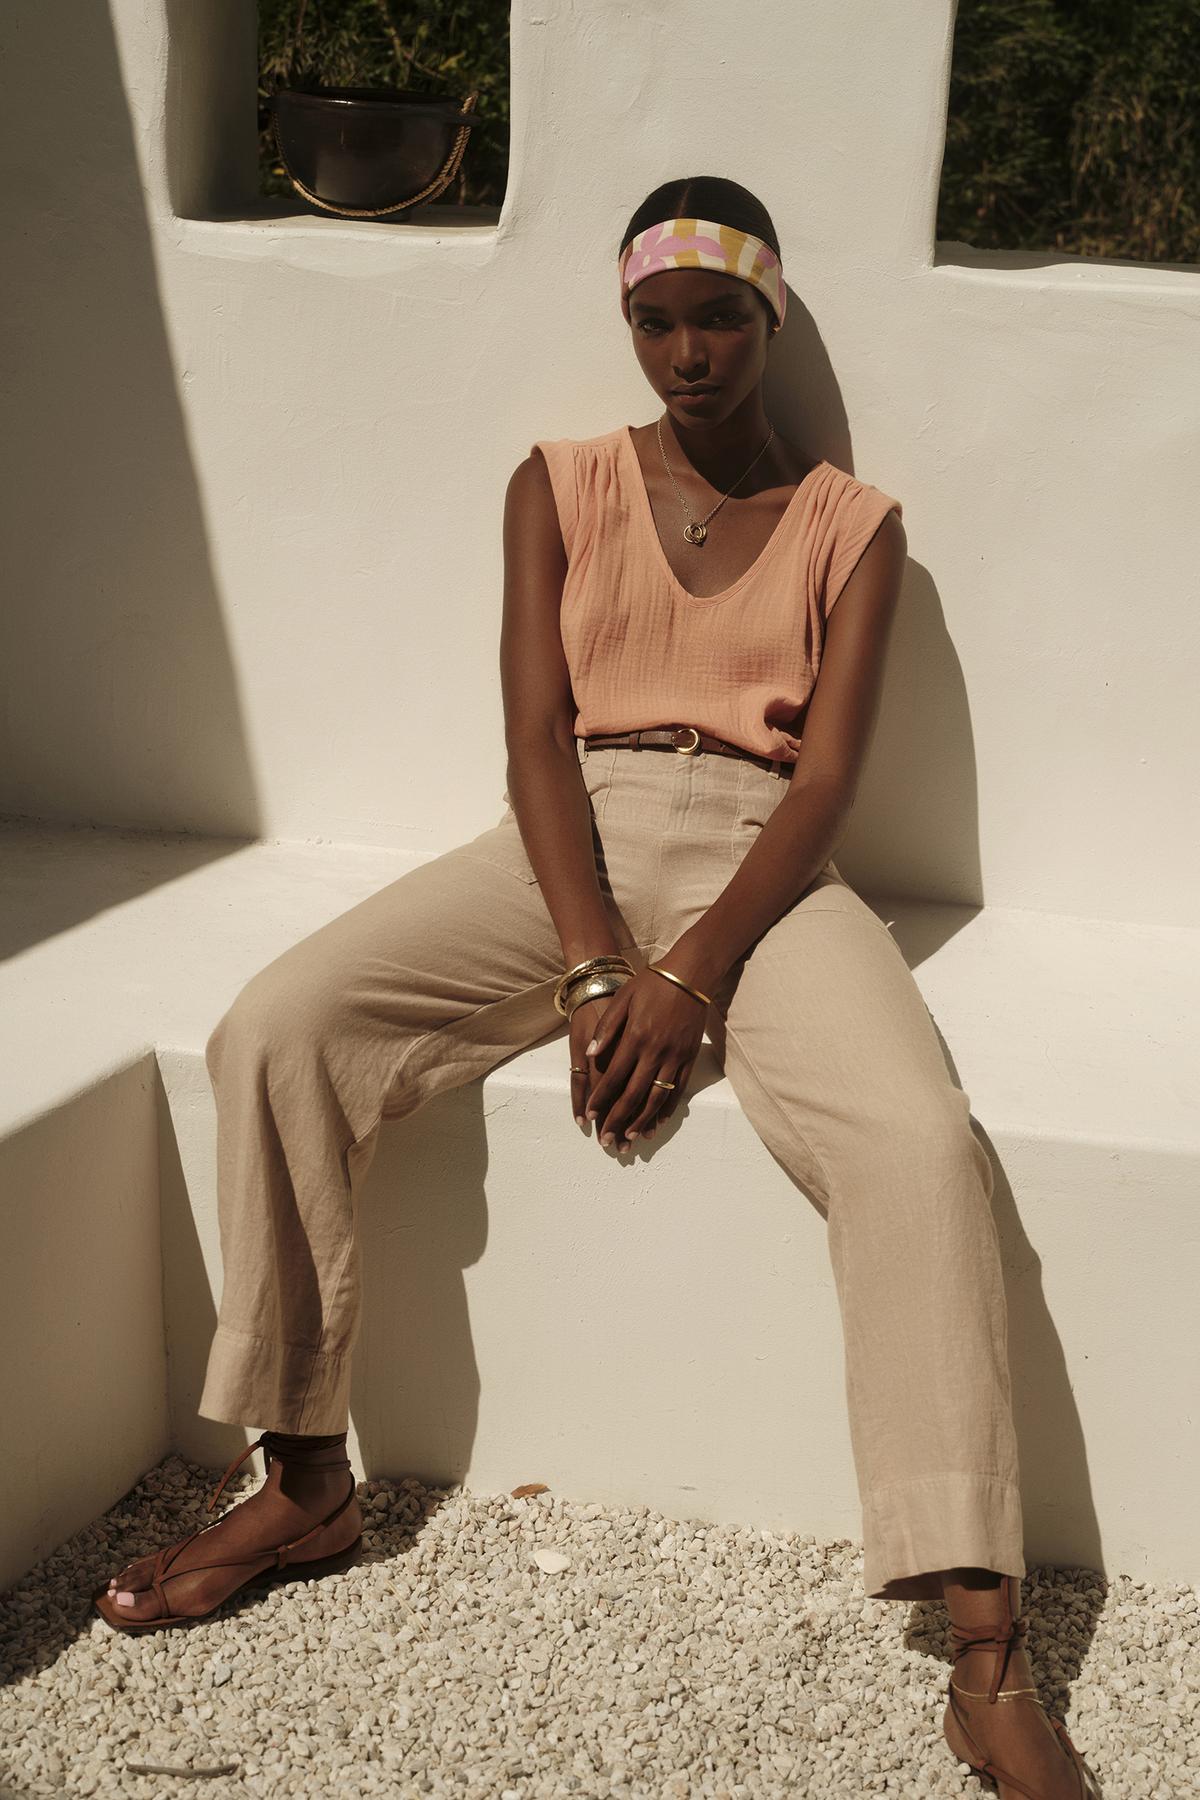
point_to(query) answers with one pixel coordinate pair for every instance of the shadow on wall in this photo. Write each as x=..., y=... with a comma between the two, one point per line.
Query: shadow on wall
x=210, y=146
x=121, y=704
x=915, y=829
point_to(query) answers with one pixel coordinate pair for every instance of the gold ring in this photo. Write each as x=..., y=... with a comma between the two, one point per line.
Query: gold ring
x=576, y=1071
x=666, y=1084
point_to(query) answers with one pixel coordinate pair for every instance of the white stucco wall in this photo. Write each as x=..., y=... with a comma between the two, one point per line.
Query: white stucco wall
x=254, y=471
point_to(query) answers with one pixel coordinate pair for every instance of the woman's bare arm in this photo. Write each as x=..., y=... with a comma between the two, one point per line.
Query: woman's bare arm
x=809, y=824
x=545, y=783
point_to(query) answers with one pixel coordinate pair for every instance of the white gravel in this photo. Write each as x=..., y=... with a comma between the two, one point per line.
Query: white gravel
x=640, y=1657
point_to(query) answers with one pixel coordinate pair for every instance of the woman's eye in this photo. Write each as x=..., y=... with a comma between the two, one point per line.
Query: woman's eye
x=731, y=318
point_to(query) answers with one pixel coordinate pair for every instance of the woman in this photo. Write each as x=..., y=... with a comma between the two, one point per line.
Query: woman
x=679, y=781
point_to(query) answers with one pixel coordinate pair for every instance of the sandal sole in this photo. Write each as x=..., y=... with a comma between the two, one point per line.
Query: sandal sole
x=271, y=1576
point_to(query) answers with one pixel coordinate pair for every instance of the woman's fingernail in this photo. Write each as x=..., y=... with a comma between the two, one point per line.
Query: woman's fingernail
x=591, y=1049
x=581, y=1121
x=591, y=1113
x=607, y=1138
x=631, y=1134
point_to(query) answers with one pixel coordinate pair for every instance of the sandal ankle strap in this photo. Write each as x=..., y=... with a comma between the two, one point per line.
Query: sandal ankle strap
x=331, y=1457
x=264, y=1443
x=1003, y=1648
x=1000, y=1694
x=965, y=1640
x=969, y=1637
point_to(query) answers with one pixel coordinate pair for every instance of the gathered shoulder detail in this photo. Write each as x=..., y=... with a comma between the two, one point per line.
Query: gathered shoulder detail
x=849, y=513
x=582, y=472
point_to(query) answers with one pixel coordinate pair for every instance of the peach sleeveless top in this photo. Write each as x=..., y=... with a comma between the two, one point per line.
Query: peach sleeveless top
x=642, y=651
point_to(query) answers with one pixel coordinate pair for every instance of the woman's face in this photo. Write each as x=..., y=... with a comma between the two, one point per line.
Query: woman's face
x=699, y=327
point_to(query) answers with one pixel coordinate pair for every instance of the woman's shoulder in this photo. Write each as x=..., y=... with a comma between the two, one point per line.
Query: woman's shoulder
x=849, y=496
x=581, y=472
x=599, y=443
x=836, y=490
x=588, y=465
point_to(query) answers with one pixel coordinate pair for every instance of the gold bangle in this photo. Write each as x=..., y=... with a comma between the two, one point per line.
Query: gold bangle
x=694, y=992
x=595, y=962
x=565, y=989
x=591, y=965
x=594, y=987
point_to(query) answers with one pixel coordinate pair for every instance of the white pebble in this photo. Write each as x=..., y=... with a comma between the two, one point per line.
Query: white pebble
x=675, y=1658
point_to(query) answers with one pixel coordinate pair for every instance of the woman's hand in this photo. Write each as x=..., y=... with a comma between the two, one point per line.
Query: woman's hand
x=583, y=1026
x=649, y=1029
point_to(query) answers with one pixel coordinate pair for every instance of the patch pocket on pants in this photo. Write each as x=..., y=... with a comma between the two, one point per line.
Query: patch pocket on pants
x=503, y=847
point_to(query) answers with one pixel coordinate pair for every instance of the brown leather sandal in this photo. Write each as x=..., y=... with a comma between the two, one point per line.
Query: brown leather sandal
x=283, y=1570
x=954, y=1723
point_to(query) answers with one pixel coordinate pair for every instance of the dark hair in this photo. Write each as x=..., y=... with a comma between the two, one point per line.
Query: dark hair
x=706, y=197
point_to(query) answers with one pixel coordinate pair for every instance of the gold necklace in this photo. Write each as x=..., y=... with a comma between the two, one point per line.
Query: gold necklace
x=697, y=529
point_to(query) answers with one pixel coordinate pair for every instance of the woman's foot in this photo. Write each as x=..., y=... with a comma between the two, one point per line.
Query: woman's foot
x=291, y=1501
x=1013, y=1734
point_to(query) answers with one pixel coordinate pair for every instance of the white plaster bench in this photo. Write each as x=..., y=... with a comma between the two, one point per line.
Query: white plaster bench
x=662, y=1331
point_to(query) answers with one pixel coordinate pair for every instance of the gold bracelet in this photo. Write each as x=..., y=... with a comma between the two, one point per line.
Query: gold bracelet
x=591, y=965
x=594, y=965
x=595, y=987
x=592, y=962
x=694, y=992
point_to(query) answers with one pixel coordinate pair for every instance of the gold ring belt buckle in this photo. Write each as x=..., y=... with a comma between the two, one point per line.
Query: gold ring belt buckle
x=686, y=749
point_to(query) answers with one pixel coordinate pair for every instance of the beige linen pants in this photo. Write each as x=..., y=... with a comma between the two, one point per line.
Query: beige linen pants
x=825, y=1040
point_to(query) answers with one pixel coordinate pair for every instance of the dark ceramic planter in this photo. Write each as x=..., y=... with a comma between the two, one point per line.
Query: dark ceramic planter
x=368, y=152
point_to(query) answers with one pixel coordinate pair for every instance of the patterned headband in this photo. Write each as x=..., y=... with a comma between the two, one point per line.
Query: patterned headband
x=702, y=244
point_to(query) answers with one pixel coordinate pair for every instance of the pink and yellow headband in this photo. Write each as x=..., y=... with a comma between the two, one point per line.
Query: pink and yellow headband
x=701, y=244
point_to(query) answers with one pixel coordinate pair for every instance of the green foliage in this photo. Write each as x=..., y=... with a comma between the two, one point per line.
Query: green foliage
x=1072, y=127
x=446, y=48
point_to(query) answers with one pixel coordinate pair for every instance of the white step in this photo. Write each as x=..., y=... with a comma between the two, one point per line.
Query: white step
x=662, y=1331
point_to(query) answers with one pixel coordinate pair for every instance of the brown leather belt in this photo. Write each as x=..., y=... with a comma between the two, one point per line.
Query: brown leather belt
x=685, y=740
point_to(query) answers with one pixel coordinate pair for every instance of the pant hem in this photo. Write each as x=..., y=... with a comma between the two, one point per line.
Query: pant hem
x=914, y=1529
x=258, y=1381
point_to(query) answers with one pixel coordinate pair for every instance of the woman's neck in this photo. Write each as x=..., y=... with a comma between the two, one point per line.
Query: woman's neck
x=722, y=452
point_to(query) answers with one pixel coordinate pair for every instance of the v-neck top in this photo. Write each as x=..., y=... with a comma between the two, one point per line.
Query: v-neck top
x=642, y=651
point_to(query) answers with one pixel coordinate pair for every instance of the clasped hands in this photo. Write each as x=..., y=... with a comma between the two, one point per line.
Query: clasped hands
x=649, y=1029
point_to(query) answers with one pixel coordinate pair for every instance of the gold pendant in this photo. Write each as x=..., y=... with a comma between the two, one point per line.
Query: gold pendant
x=695, y=534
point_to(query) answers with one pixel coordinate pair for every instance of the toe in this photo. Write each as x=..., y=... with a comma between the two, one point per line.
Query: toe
x=139, y=1603
x=113, y=1614
x=128, y=1594
x=133, y=1576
